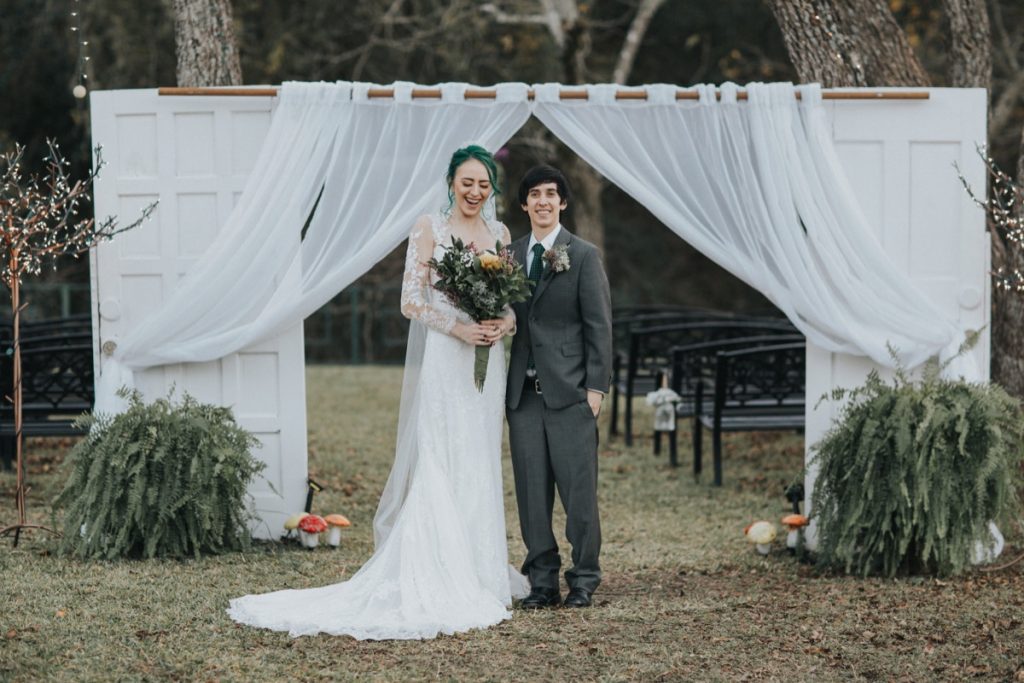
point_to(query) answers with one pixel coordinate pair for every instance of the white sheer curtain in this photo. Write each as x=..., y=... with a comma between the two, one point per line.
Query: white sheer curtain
x=369, y=167
x=756, y=186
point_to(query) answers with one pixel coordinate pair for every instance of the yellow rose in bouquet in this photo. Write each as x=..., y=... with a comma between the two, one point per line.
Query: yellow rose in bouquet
x=482, y=283
x=490, y=262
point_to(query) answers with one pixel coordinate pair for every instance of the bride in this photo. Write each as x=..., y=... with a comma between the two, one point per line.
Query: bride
x=441, y=558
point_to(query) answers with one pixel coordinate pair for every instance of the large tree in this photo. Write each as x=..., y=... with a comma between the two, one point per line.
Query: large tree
x=859, y=43
x=204, y=37
x=847, y=43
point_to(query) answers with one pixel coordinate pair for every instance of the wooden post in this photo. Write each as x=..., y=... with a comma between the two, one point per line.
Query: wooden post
x=19, y=493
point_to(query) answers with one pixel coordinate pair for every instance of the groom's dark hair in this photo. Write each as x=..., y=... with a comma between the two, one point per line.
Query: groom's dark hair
x=538, y=175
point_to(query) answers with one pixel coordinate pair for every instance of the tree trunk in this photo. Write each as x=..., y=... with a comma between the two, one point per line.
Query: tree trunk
x=204, y=38
x=858, y=43
x=587, y=212
x=1008, y=331
x=19, y=439
x=971, y=67
x=970, y=44
x=634, y=37
x=1008, y=307
x=847, y=43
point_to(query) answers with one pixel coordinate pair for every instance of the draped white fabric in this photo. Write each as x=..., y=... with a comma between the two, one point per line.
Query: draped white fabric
x=757, y=187
x=369, y=167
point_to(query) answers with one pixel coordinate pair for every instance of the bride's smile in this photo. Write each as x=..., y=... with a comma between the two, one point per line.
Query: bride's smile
x=472, y=188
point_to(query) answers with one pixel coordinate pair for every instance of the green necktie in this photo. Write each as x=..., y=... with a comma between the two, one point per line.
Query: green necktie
x=536, y=269
x=537, y=265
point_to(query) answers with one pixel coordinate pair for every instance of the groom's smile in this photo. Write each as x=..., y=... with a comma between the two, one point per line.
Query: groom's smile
x=544, y=206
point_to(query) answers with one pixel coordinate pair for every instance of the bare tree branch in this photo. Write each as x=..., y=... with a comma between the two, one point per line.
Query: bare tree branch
x=1008, y=49
x=551, y=21
x=562, y=15
x=634, y=37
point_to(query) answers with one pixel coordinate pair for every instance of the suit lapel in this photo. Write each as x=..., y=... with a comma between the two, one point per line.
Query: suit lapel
x=519, y=251
x=563, y=238
x=519, y=254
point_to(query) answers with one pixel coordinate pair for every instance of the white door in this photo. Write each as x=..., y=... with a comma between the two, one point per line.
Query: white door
x=194, y=154
x=899, y=156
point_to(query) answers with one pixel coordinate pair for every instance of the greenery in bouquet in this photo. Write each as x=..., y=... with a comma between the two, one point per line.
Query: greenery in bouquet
x=480, y=283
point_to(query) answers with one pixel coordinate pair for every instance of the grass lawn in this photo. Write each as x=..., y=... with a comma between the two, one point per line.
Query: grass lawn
x=684, y=596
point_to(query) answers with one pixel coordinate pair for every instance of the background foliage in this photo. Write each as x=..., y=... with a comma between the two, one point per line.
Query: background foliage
x=131, y=45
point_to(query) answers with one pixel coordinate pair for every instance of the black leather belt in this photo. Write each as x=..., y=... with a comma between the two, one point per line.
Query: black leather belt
x=533, y=383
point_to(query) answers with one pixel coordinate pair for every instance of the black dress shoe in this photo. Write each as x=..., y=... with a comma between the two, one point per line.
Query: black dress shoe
x=539, y=598
x=577, y=597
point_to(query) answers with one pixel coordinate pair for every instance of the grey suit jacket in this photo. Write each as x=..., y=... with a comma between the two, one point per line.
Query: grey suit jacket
x=568, y=324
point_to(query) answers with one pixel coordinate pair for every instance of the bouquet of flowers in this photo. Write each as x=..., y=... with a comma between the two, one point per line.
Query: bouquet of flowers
x=481, y=284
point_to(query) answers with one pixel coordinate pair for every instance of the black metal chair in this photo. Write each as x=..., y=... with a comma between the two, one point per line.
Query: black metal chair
x=649, y=354
x=692, y=370
x=57, y=379
x=625, y=320
x=756, y=389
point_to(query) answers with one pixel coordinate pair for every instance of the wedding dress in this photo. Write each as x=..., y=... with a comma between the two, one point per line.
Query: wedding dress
x=441, y=558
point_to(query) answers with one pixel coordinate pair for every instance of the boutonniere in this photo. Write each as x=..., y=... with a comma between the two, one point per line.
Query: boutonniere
x=557, y=258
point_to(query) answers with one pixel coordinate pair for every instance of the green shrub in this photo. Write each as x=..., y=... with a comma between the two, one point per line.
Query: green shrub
x=912, y=473
x=160, y=480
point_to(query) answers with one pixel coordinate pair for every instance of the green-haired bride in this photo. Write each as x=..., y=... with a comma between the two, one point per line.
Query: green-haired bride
x=441, y=558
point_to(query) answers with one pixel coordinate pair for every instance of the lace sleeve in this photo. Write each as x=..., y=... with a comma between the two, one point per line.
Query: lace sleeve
x=509, y=314
x=416, y=281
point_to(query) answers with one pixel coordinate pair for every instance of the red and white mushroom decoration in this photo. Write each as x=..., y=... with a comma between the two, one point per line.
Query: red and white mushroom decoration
x=310, y=528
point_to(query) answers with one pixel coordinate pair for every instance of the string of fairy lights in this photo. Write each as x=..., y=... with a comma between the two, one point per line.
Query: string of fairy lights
x=81, y=88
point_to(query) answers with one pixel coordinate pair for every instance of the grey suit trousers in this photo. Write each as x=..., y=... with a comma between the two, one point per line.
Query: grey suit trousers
x=556, y=449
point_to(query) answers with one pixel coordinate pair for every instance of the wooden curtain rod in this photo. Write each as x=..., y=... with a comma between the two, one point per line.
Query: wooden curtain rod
x=490, y=94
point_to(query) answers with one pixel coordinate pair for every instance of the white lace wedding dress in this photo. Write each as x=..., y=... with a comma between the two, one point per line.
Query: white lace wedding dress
x=441, y=561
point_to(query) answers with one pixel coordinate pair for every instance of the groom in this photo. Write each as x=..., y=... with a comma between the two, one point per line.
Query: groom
x=558, y=375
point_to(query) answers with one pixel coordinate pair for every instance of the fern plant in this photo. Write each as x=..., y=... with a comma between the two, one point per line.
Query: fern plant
x=913, y=472
x=160, y=480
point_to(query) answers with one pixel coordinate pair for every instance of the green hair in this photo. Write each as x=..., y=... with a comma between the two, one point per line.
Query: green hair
x=464, y=154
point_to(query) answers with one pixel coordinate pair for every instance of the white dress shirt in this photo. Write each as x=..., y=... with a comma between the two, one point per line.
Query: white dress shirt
x=547, y=243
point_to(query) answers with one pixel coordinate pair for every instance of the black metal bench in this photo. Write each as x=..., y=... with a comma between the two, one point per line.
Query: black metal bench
x=649, y=354
x=57, y=379
x=756, y=389
x=692, y=375
x=633, y=317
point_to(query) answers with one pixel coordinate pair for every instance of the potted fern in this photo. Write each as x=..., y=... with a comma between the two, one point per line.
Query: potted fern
x=162, y=479
x=913, y=473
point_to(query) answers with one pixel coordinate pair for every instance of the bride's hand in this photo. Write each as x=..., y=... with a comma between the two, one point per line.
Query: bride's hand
x=497, y=328
x=477, y=334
